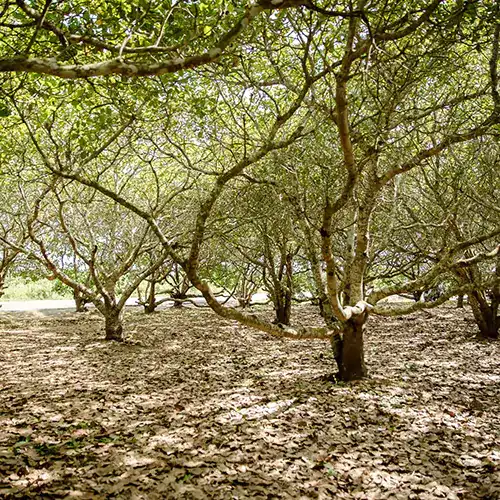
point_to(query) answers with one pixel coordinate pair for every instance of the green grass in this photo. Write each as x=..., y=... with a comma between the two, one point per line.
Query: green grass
x=19, y=288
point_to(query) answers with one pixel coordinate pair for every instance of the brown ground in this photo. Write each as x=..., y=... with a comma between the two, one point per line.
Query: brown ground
x=195, y=407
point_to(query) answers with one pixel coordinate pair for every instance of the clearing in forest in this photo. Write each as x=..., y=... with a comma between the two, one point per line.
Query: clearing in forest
x=195, y=407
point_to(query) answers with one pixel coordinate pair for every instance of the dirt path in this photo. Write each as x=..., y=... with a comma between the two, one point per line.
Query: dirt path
x=195, y=407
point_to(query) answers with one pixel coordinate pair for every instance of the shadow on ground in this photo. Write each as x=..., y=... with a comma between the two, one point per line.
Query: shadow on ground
x=195, y=407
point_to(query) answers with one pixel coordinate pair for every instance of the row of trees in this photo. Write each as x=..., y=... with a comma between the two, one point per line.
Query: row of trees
x=349, y=152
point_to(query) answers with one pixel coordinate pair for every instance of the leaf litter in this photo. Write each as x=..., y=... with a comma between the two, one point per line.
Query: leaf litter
x=192, y=406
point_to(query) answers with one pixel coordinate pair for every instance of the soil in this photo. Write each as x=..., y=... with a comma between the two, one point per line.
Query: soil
x=192, y=406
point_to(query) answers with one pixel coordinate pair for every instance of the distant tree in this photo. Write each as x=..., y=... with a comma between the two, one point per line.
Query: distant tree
x=100, y=240
x=258, y=231
x=446, y=204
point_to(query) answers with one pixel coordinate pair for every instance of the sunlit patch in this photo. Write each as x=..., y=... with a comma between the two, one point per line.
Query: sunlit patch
x=171, y=441
x=36, y=476
x=133, y=459
x=234, y=413
x=256, y=411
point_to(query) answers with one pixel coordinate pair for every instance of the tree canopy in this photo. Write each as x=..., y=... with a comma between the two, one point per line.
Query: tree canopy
x=338, y=141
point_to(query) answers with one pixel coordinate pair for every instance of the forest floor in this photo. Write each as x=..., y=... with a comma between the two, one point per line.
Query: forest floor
x=192, y=406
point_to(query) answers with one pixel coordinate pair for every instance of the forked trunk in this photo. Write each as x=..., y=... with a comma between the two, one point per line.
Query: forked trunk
x=113, y=324
x=349, y=350
x=485, y=314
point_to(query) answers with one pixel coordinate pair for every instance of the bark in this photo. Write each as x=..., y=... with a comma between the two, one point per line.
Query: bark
x=348, y=350
x=179, y=297
x=244, y=302
x=80, y=301
x=149, y=307
x=485, y=314
x=325, y=311
x=113, y=324
x=485, y=311
x=150, y=304
x=460, y=302
x=283, y=310
x=283, y=306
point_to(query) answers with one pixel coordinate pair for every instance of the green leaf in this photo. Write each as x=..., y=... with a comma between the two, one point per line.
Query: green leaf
x=4, y=111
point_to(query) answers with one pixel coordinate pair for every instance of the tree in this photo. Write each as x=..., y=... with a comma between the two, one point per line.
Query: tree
x=383, y=78
x=448, y=203
x=104, y=242
x=85, y=240
x=258, y=236
x=185, y=36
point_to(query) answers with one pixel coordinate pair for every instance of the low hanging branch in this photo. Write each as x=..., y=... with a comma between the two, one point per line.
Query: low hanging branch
x=120, y=65
x=400, y=310
x=446, y=263
x=49, y=65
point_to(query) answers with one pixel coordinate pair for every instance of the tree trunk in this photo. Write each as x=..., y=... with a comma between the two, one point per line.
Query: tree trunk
x=325, y=310
x=283, y=306
x=460, y=302
x=80, y=302
x=349, y=350
x=113, y=324
x=244, y=302
x=178, y=298
x=486, y=315
x=150, y=305
x=283, y=311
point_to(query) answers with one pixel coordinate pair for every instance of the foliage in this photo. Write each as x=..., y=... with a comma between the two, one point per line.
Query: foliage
x=19, y=288
x=293, y=137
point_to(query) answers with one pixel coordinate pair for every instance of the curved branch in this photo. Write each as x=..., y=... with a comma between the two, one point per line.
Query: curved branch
x=121, y=66
x=388, y=310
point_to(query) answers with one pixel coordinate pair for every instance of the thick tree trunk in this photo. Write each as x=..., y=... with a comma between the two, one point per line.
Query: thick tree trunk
x=349, y=350
x=486, y=315
x=460, y=302
x=282, y=307
x=283, y=312
x=113, y=324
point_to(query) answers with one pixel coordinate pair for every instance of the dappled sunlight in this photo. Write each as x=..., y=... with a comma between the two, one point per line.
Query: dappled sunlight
x=253, y=412
x=236, y=411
